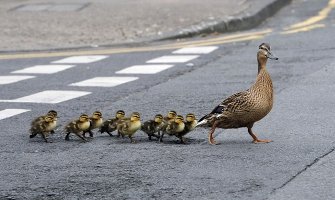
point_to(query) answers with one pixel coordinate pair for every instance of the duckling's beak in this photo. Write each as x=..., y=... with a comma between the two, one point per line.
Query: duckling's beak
x=270, y=56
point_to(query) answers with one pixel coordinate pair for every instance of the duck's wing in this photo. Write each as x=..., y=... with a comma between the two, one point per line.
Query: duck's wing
x=233, y=103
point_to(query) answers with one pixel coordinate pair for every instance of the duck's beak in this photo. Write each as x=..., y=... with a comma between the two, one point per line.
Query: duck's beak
x=270, y=56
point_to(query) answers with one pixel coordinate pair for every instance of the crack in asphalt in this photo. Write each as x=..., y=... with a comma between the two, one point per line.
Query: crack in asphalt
x=316, y=160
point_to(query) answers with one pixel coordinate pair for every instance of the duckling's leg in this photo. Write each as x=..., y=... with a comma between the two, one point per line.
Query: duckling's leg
x=45, y=138
x=52, y=132
x=161, y=137
x=210, y=134
x=78, y=134
x=67, y=137
x=32, y=135
x=256, y=140
x=182, y=140
x=91, y=133
x=131, y=139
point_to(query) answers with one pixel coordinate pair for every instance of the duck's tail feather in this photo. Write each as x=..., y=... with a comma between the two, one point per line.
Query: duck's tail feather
x=203, y=122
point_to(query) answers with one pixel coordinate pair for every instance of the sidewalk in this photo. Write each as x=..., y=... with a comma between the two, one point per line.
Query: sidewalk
x=38, y=25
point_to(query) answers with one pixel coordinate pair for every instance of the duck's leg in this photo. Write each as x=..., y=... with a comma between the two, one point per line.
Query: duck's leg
x=210, y=134
x=256, y=140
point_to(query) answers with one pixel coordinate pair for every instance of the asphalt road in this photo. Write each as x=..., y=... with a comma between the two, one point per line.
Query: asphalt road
x=297, y=165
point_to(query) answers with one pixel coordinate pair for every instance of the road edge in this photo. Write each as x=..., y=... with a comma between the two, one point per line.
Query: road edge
x=243, y=22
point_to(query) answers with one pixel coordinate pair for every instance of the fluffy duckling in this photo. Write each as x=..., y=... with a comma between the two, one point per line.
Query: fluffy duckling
x=173, y=127
x=190, y=124
x=43, y=126
x=77, y=126
x=244, y=108
x=109, y=125
x=40, y=118
x=129, y=126
x=170, y=116
x=96, y=122
x=151, y=127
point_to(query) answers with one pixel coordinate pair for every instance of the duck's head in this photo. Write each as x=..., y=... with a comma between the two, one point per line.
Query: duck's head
x=171, y=114
x=190, y=117
x=264, y=52
x=159, y=118
x=50, y=119
x=52, y=113
x=120, y=114
x=97, y=115
x=179, y=119
x=135, y=116
x=84, y=118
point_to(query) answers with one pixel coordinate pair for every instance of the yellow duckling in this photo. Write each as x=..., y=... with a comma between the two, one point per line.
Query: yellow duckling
x=43, y=126
x=170, y=116
x=40, y=118
x=151, y=127
x=190, y=124
x=96, y=122
x=109, y=125
x=77, y=126
x=129, y=126
x=174, y=127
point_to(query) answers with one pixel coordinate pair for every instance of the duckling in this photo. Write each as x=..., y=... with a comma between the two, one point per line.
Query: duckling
x=96, y=122
x=190, y=124
x=170, y=116
x=43, y=126
x=129, y=126
x=40, y=118
x=174, y=127
x=151, y=127
x=245, y=108
x=109, y=125
x=77, y=126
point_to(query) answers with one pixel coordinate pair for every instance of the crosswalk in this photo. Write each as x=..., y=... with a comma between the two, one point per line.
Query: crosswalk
x=150, y=67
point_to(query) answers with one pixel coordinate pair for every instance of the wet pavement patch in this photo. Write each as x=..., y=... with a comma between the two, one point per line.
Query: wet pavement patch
x=51, y=7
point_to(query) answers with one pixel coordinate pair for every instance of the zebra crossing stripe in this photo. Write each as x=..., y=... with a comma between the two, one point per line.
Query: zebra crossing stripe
x=13, y=79
x=196, y=50
x=49, y=97
x=11, y=112
x=104, y=81
x=43, y=69
x=173, y=59
x=144, y=69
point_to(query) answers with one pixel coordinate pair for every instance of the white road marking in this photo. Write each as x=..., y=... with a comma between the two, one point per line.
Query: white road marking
x=196, y=50
x=81, y=59
x=104, y=81
x=144, y=69
x=12, y=79
x=11, y=112
x=49, y=96
x=173, y=59
x=43, y=69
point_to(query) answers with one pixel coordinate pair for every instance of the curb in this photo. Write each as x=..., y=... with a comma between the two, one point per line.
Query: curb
x=229, y=25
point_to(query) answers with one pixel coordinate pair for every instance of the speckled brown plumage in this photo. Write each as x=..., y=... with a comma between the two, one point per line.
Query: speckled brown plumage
x=245, y=108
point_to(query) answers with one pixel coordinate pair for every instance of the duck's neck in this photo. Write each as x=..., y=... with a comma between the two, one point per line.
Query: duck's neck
x=263, y=84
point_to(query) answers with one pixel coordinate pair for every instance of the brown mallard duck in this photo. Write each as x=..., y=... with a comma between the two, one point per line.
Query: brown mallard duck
x=96, y=121
x=151, y=127
x=41, y=118
x=43, y=126
x=129, y=126
x=173, y=127
x=109, y=125
x=77, y=126
x=190, y=124
x=245, y=108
